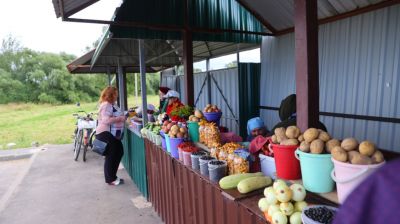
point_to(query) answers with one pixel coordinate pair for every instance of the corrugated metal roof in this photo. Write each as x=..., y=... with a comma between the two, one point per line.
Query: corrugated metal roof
x=280, y=14
x=202, y=14
x=359, y=68
x=70, y=7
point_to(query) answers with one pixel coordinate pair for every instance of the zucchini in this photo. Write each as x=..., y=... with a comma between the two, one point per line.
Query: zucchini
x=253, y=183
x=232, y=181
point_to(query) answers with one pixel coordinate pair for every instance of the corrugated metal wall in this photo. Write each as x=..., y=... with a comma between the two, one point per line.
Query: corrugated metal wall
x=359, y=74
x=228, y=81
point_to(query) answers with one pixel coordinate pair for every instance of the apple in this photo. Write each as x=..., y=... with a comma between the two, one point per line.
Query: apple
x=287, y=208
x=279, y=218
x=263, y=204
x=299, y=206
x=295, y=218
x=272, y=209
x=270, y=196
x=278, y=183
x=283, y=193
x=299, y=193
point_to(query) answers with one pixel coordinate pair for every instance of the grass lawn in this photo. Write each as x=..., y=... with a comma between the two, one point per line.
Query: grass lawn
x=26, y=123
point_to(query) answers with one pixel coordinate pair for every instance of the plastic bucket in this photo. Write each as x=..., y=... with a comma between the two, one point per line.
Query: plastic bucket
x=287, y=166
x=203, y=161
x=268, y=166
x=216, y=172
x=193, y=131
x=163, y=143
x=187, y=160
x=348, y=176
x=180, y=153
x=213, y=117
x=173, y=145
x=316, y=171
x=195, y=159
x=167, y=138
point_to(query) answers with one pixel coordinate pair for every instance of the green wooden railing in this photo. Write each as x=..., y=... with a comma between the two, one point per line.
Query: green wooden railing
x=134, y=160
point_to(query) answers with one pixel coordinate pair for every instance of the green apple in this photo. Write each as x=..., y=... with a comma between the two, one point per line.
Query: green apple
x=295, y=218
x=263, y=204
x=283, y=193
x=299, y=193
x=272, y=209
x=286, y=208
x=278, y=183
x=279, y=218
x=299, y=206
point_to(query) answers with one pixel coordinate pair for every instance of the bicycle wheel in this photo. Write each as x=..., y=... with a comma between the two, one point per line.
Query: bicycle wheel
x=75, y=138
x=78, y=148
x=85, y=148
x=91, y=138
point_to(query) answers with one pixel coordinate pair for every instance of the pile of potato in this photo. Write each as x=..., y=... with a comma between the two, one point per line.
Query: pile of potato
x=350, y=151
x=288, y=136
x=198, y=116
x=177, y=132
x=211, y=108
x=317, y=141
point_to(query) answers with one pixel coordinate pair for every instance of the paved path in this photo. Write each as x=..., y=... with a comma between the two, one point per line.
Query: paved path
x=49, y=187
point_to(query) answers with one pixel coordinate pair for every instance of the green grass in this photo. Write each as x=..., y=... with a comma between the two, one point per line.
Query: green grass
x=25, y=123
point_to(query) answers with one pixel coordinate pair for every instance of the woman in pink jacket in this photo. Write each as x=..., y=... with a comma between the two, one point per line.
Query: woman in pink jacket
x=106, y=120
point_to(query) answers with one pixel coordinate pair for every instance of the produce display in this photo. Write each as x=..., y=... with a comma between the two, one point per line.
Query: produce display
x=198, y=115
x=282, y=203
x=209, y=134
x=167, y=125
x=365, y=153
x=211, y=108
x=178, y=132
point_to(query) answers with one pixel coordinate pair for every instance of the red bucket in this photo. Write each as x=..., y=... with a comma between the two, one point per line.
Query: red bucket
x=287, y=166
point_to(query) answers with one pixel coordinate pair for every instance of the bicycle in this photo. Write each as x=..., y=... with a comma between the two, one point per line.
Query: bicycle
x=83, y=134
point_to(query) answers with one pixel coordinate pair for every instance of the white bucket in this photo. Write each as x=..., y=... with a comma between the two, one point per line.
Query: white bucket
x=268, y=166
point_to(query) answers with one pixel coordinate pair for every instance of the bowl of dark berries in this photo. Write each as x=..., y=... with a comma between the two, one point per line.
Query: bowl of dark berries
x=318, y=214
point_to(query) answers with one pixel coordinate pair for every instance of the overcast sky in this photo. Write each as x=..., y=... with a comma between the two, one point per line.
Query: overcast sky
x=34, y=24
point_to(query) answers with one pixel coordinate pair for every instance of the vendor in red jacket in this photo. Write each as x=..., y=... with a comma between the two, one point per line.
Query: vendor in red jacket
x=173, y=103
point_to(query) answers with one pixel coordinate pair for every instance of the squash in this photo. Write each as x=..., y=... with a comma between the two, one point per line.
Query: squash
x=232, y=181
x=253, y=183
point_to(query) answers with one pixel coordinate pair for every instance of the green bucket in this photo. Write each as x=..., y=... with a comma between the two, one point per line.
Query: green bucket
x=193, y=131
x=316, y=171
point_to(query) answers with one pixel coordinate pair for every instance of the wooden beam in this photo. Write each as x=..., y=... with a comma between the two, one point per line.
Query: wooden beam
x=258, y=16
x=307, y=80
x=345, y=15
x=70, y=13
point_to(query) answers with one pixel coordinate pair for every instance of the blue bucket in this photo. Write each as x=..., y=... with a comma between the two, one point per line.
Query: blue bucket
x=213, y=117
x=167, y=143
x=316, y=171
x=163, y=142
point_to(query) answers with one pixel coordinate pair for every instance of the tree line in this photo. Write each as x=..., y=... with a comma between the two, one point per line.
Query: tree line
x=40, y=77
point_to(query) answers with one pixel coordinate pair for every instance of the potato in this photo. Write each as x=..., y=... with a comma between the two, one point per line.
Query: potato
x=351, y=154
x=324, y=136
x=331, y=144
x=180, y=135
x=339, y=154
x=274, y=139
x=361, y=160
x=310, y=134
x=280, y=132
x=304, y=146
x=300, y=138
x=281, y=138
x=377, y=157
x=317, y=146
x=292, y=132
x=349, y=144
x=290, y=142
x=366, y=148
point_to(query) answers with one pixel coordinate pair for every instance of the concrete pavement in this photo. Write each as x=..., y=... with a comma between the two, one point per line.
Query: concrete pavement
x=50, y=187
